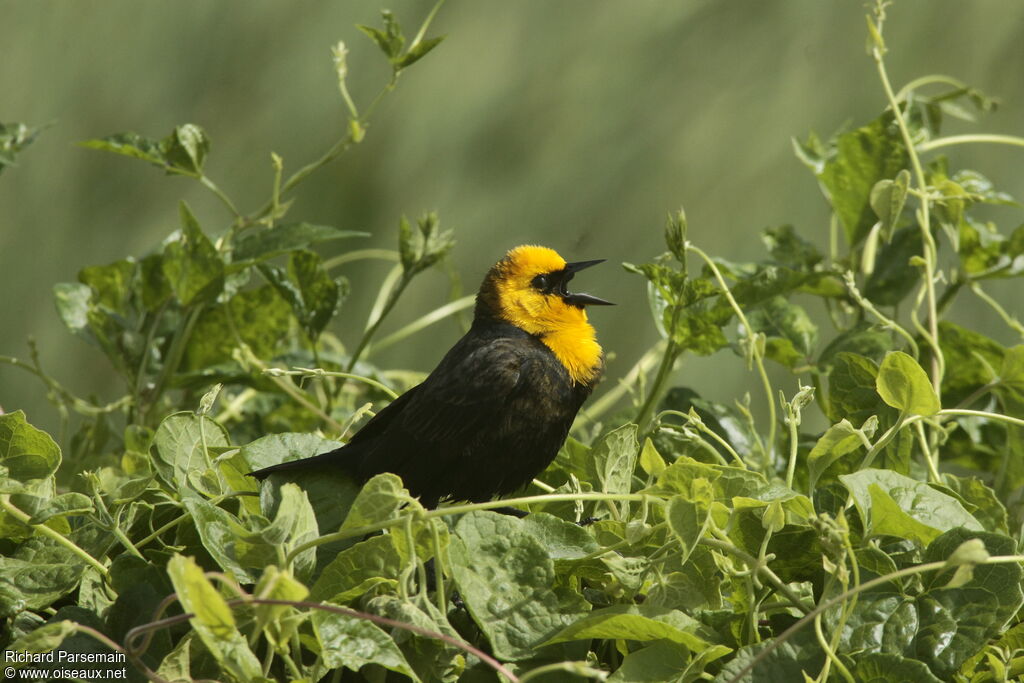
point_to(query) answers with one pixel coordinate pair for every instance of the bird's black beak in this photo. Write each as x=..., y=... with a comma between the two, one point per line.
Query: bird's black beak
x=580, y=299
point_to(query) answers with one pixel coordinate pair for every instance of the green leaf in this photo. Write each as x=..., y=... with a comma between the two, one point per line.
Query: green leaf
x=637, y=622
x=293, y=525
x=852, y=393
x=421, y=248
x=887, y=199
x=838, y=441
x=657, y=663
x=561, y=539
x=353, y=643
x=44, y=639
x=379, y=500
x=176, y=667
x=180, y=456
x=507, y=581
x=277, y=448
x=155, y=288
x=904, y=385
x=957, y=621
x=42, y=509
x=245, y=548
x=650, y=460
x=36, y=574
x=895, y=505
x=130, y=145
x=212, y=619
x=390, y=40
x=238, y=549
x=330, y=493
x=191, y=264
x=860, y=159
x=613, y=459
x=186, y=147
x=419, y=51
x=183, y=151
x=112, y=285
x=14, y=137
x=282, y=239
x=791, y=336
x=786, y=663
x=278, y=622
x=261, y=318
x=431, y=658
x=892, y=278
x=985, y=505
x=676, y=228
x=970, y=359
x=26, y=452
x=882, y=620
x=877, y=667
x=863, y=339
x=72, y=300
x=790, y=249
x=687, y=519
x=356, y=570
x=313, y=295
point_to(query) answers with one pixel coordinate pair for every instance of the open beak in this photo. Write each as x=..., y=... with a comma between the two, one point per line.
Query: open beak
x=580, y=299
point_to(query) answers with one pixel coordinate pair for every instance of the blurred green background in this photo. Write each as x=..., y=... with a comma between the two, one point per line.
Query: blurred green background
x=574, y=124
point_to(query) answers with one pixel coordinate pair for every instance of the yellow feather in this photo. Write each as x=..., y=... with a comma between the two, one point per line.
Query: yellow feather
x=561, y=327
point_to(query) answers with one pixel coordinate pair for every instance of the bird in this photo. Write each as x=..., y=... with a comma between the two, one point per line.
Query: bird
x=495, y=411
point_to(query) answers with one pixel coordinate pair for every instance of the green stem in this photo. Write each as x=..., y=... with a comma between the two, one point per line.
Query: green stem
x=924, y=216
x=174, y=355
x=825, y=606
x=754, y=351
x=80, y=406
x=980, y=413
x=928, y=80
x=140, y=376
x=701, y=427
x=355, y=532
x=379, y=313
x=415, y=326
x=1010, y=320
x=926, y=450
x=830, y=653
x=360, y=255
x=320, y=372
x=24, y=518
x=668, y=361
x=794, y=445
x=625, y=384
x=212, y=187
x=425, y=25
x=758, y=566
x=886, y=322
x=884, y=440
x=950, y=140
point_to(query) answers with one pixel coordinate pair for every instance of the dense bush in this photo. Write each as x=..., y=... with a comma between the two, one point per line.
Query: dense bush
x=720, y=545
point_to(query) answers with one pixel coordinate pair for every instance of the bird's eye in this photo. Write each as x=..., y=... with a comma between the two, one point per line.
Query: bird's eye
x=542, y=282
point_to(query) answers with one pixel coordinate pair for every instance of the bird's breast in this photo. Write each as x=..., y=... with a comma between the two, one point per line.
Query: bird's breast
x=576, y=348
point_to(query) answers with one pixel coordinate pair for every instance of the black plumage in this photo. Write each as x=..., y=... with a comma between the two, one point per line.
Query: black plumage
x=486, y=421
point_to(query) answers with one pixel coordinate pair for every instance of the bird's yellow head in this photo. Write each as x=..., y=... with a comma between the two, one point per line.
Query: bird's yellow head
x=529, y=288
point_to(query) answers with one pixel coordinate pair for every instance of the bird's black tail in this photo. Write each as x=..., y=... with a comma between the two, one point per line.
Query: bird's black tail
x=315, y=462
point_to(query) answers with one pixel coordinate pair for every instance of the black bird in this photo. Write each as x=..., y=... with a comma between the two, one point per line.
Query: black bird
x=494, y=412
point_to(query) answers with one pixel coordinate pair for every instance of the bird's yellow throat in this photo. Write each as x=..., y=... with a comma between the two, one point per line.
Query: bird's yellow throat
x=563, y=328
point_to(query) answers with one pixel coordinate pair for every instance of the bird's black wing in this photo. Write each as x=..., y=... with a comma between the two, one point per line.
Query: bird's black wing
x=429, y=434
x=466, y=393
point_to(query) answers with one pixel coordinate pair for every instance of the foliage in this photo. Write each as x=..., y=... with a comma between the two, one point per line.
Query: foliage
x=686, y=540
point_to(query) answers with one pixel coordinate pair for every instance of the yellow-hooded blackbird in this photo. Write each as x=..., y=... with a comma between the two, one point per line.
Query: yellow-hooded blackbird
x=498, y=406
